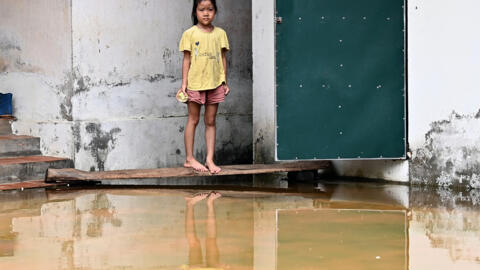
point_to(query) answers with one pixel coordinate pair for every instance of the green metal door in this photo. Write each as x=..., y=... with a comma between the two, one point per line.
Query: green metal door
x=340, y=68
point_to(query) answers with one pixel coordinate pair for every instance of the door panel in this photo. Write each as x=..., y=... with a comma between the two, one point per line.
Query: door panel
x=340, y=79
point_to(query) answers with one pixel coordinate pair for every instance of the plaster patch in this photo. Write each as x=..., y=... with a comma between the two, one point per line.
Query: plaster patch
x=101, y=144
x=450, y=155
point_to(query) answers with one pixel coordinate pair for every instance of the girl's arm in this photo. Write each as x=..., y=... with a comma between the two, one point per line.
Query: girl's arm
x=224, y=60
x=185, y=69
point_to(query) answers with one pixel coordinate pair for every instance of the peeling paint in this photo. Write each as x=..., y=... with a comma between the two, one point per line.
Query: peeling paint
x=101, y=144
x=450, y=155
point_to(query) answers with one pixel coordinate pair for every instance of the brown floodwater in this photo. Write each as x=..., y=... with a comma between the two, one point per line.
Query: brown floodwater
x=270, y=224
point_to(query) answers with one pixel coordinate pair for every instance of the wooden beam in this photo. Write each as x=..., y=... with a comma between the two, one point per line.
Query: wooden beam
x=69, y=175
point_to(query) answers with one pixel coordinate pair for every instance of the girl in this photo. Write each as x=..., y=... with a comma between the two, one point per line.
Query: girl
x=204, y=71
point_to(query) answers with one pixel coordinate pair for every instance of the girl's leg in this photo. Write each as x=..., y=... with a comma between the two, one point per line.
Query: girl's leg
x=210, y=133
x=212, y=254
x=195, y=249
x=193, y=118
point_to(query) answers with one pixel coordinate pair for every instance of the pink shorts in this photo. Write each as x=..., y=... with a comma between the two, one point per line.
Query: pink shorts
x=213, y=96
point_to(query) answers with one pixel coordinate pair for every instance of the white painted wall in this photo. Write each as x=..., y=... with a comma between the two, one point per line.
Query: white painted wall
x=443, y=64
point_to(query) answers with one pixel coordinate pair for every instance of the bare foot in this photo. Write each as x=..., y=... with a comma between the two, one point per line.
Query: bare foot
x=213, y=196
x=212, y=167
x=195, y=165
x=195, y=199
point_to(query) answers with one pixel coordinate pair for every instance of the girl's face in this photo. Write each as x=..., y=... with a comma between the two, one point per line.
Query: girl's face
x=205, y=12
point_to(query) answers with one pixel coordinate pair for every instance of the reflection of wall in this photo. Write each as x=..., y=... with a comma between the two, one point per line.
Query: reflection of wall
x=450, y=236
x=103, y=230
x=445, y=225
x=265, y=236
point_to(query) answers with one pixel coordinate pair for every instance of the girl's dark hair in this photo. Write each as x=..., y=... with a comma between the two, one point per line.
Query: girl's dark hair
x=194, y=10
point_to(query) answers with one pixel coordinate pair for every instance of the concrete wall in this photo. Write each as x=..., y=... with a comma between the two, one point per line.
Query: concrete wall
x=35, y=65
x=97, y=80
x=443, y=109
x=444, y=112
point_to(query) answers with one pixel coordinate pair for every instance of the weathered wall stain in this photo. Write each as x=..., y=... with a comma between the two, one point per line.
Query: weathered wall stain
x=14, y=63
x=101, y=144
x=231, y=153
x=8, y=45
x=3, y=65
x=11, y=56
x=77, y=137
x=83, y=83
x=65, y=92
x=450, y=155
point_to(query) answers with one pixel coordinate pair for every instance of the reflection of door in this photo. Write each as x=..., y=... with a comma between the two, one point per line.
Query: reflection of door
x=340, y=79
x=341, y=239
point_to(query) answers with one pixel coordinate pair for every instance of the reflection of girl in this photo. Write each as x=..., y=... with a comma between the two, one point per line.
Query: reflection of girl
x=195, y=258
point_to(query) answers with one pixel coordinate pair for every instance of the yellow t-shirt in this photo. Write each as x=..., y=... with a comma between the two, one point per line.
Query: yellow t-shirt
x=206, y=65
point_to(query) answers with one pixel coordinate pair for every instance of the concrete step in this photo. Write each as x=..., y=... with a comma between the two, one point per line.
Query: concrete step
x=19, y=169
x=14, y=146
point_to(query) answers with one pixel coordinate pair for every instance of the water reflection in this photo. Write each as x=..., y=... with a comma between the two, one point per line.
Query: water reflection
x=302, y=226
x=445, y=225
x=195, y=258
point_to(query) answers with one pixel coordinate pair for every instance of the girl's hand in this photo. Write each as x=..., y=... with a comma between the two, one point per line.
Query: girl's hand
x=227, y=89
x=179, y=97
x=182, y=89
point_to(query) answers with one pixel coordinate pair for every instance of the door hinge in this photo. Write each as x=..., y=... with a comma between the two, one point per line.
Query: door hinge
x=278, y=19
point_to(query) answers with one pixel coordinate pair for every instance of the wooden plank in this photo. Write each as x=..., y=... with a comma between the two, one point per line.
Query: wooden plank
x=67, y=175
x=28, y=184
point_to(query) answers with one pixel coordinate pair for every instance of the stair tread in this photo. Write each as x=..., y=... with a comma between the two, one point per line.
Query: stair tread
x=29, y=159
x=15, y=137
